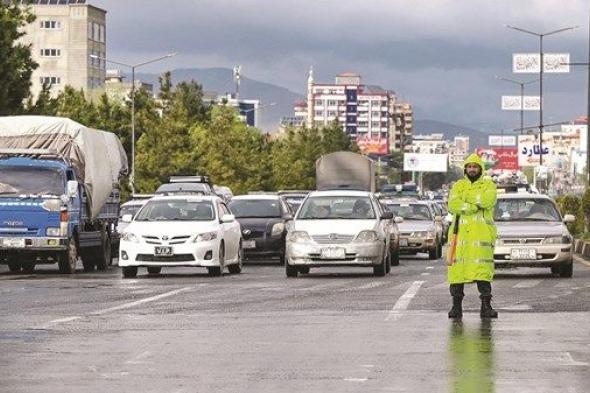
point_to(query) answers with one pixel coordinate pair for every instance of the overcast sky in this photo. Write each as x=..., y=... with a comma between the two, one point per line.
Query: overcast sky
x=441, y=55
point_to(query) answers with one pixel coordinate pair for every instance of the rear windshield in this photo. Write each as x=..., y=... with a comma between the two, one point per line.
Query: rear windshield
x=265, y=208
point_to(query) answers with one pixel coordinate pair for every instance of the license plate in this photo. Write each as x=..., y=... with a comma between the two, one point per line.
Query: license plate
x=249, y=244
x=523, y=253
x=163, y=251
x=13, y=242
x=403, y=242
x=333, y=253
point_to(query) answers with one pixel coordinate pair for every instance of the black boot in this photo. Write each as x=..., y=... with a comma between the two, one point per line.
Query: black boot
x=457, y=309
x=486, y=307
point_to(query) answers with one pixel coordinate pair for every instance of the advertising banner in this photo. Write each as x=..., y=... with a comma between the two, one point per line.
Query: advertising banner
x=369, y=145
x=502, y=140
x=528, y=63
x=499, y=158
x=421, y=162
x=512, y=103
x=557, y=149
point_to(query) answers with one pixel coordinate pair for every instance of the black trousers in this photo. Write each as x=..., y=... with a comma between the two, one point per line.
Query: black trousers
x=484, y=288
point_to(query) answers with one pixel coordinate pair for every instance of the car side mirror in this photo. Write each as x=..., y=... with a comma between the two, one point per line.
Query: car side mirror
x=449, y=218
x=569, y=218
x=72, y=188
x=227, y=218
x=399, y=220
x=127, y=218
x=387, y=215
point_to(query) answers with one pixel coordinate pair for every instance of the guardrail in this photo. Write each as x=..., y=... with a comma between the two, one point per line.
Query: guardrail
x=582, y=247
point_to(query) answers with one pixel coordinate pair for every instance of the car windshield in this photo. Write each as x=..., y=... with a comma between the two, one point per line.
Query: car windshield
x=38, y=181
x=331, y=207
x=264, y=208
x=521, y=209
x=131, y=209
x=409, y=211
x=176, y=210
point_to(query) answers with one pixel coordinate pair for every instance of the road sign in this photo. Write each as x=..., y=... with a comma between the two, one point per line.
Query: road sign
x=528, y=63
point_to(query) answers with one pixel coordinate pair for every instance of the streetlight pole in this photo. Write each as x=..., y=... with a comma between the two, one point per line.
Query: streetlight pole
x=541, y=69
x=521, y=84
x=132, y=94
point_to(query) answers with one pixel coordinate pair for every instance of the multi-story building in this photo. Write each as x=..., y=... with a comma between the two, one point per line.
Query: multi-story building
x=246, y=108
x=430, y=144
x=362, y=110
x=299, y=119
x=402, y=125
x=63, y=37
x=458, y=150
x=116, y=88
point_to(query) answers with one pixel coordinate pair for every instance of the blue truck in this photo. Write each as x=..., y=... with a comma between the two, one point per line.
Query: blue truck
x=59, y=194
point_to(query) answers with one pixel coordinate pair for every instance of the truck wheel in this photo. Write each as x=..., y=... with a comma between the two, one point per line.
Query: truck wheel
x=104, y=257
x=129, y=271
x=68, y=259
x=14, y=266
x=88, y=261
x=28, y=267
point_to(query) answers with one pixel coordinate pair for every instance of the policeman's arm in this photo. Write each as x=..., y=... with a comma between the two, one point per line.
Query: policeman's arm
x=488, y=196
x=457, y=204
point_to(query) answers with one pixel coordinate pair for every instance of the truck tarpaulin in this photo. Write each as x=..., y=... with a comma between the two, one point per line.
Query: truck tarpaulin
x=97, y=156
x=345, y=170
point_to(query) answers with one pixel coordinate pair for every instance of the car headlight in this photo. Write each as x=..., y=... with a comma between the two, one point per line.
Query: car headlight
x=298, y=236
x=277, y=229
x=565, y=239
x=52, y=231
x=424, y=234
x=205, y=237
x=129, y=237
x=366, y=236
x=52, y=205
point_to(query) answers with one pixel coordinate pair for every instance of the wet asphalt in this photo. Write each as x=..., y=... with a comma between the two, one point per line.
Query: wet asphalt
x=333, y=330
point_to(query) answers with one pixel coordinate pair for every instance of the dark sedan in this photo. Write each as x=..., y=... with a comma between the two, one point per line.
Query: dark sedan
x=263, y=219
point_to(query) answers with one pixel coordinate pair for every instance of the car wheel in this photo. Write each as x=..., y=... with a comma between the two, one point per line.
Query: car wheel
x=439, y=251
x=68, y=259
x=380, y=270
x=566, y=269
x=129, y=271
x=433, y=253
x=555, y=269
x=395, y=257
x=388, y=262
x=291, y=271
x=237, y=267
x=154, y=269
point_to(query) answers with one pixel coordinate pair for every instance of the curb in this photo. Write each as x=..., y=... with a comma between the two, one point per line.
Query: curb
x=582, y=260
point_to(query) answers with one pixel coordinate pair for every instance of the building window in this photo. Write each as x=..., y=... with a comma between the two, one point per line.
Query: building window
x=331, y=103
x=331, y=113
x=363, y=124
x=50, y=80
x=50, y=52
x=50, y=24
x=319, y=113
x=375, y=124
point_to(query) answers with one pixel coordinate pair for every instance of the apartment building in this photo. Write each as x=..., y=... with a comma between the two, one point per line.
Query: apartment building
x=402, y=125
x=63, y=38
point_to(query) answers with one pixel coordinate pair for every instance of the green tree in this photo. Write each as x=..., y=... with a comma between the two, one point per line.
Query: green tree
x=45, y=104
x=570, y=204
x=16, y=64
x=586, y=209
x=335, y=139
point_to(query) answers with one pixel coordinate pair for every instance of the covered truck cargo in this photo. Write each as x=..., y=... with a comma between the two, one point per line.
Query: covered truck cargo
x=345, y=170
x=97, y=157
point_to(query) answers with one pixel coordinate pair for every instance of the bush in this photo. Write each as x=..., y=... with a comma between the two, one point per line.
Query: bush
x=571, y=204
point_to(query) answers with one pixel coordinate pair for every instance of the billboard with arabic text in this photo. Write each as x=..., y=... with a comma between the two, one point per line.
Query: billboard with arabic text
x=370, y=145
x=499, y=158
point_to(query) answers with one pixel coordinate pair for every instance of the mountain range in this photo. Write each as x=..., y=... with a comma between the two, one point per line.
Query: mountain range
x=277, y=101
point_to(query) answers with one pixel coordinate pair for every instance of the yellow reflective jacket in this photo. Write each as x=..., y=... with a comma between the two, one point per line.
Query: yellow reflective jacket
x=473, y=203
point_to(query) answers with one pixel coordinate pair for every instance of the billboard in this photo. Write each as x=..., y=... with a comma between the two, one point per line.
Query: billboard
x=370, y=145
x=513, y=103
x=528, y=63
x=558, y=148
x=502, y=140
x=499, y=158
x=422, y=162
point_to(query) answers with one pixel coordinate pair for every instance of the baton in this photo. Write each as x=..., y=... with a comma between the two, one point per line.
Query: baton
x=453, y=251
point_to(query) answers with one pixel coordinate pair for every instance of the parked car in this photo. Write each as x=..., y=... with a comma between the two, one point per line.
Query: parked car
x=184, y=230
x=294, y=198
x=263, y=219
x=186, y=185
x=339, y=228
x=532, y=233
x=130, y=207
x=418, y=231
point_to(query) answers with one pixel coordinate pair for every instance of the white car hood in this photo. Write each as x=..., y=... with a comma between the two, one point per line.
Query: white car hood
x=416, y=225
x=171, y=228
x=530, y=229
x=344, y=227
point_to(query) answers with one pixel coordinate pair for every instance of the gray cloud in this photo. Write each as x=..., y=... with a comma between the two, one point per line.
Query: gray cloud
x=441, y=55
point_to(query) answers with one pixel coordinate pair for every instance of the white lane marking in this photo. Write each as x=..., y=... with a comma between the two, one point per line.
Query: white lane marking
x=404, y=301
x=567, y=360
x=139, y=359
x=142, y=301
x=429, y=267
x=425, y=274
x=516, y=307
x=372, y=285
x=527, y=284
x=59, y=321
x=356, y=379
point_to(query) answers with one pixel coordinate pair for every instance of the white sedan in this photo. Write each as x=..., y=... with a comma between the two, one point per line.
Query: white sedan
x=182, y=231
